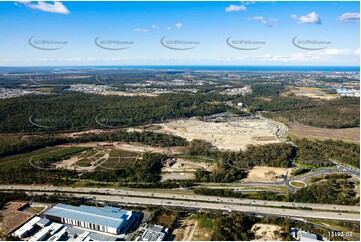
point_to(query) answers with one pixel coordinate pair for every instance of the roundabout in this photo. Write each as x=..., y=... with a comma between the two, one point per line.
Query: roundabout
x=297, y=184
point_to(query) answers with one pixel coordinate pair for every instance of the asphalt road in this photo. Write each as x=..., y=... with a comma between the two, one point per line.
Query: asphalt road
x=171, y=204
x=169, y=194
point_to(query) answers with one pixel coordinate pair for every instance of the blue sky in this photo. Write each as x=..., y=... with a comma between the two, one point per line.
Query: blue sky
x=207, y=25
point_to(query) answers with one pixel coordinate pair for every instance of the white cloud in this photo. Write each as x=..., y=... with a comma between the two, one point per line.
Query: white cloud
x=155, y=26
x=179, y=25
x=338, y=52
x=168, y=28
x=141, y=30
x=350, y=17
x=235, y=8
x=311, y=18
x=56, y=7
x=268, y=22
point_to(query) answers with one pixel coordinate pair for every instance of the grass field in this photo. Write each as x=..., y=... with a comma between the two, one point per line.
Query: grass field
x=39, y=157
x=336, y=225
x=35, y=209
x=312, y=92
x=303, y=131
x=204, y=230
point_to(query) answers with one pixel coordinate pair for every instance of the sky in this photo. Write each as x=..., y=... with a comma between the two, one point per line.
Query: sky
x=180, y=33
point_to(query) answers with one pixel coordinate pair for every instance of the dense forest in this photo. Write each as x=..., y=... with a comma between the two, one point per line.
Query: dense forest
x=318, y=153
x=37, y=142
x=262, y=195
x=338, y=113
x=233, y=227
x=265, y=90
x=276, y=155
x=280, y=103
x=69, y=111
x=330, y=191
x=222, y=175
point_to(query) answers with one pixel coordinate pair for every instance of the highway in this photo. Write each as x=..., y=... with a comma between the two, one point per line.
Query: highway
x=169, y=194
x=187, y=205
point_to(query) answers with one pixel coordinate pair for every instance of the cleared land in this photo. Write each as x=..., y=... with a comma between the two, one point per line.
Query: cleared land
x=186, y=230
x=182, y=169
x=134, y=147
x=350, y=134
x=233, y=135
x=266, y=174
x=311, y=92
x=91, y=159
x=11, y=218
x=266, y=232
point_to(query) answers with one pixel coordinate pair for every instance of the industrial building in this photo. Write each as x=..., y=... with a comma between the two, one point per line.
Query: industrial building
x=26, y=228
x=40, y=229
x=152, y=233
x=108, y=219
x=301, y=235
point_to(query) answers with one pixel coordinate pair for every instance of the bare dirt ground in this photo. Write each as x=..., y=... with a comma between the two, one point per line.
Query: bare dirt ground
x=92, y=131
x=311, y=92
x=68, y=164
x=135, y=147
x=350, y=134
x=266, y=174
x=181, y=164
x=182, y=169
x=11, y=218
x=94, y=160
x=233, y=135
x=265, y=232
x=177, y=176
x=202, y=234
x=100, y=154
x=186, y=230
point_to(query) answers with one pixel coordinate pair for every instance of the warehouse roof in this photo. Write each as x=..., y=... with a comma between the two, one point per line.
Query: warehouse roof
x=107, y=216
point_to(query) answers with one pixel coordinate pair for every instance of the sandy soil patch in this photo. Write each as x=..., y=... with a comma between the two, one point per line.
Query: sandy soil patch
x=100, y=156
x=135, y=147
x=185, y=231
x=181, y=164
x=177, y=176
x=92, y=131
x=94, y=160
x=11, y=218
x=234, y=135
x=266, y=232
x=266, y=174
x=350, y=134
x=68, y=164
x=182, y=169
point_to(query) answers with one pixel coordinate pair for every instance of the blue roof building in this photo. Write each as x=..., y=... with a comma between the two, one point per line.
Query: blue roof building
x=106, y=219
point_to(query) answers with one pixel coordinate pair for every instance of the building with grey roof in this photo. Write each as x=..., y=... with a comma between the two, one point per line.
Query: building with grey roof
x=306, y=236
x=108, y=219
x=152, y=233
